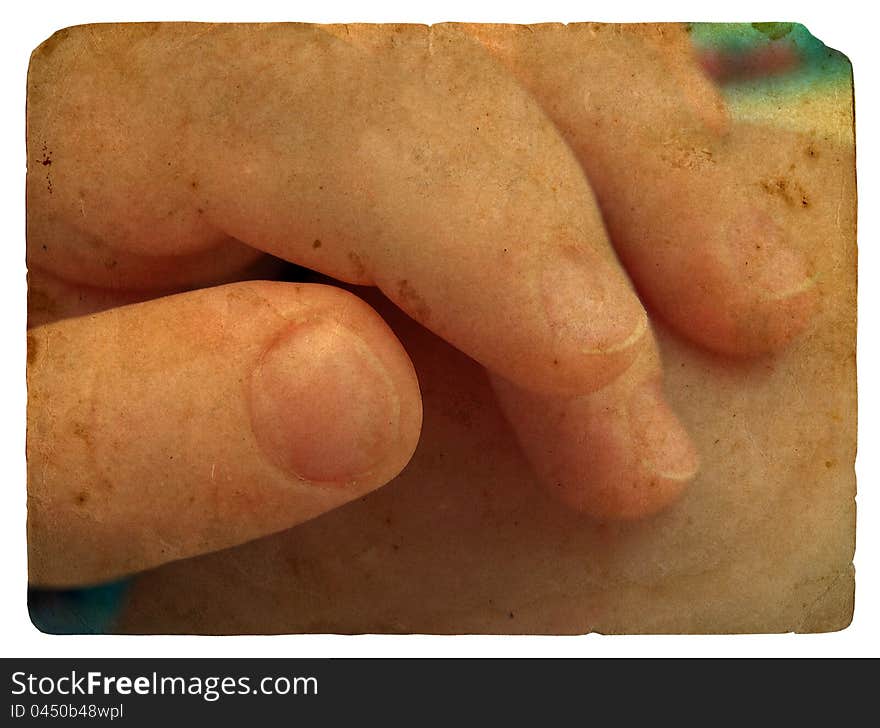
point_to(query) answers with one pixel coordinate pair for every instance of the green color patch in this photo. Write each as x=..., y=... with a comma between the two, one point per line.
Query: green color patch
x=774, y=31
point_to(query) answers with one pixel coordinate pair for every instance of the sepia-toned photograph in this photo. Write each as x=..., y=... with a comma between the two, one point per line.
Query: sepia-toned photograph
x=440, y=329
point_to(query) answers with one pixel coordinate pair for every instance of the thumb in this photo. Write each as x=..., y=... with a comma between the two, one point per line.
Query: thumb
x=196, y=422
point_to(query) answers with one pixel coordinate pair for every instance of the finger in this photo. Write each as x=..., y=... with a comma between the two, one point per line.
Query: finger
x=619, y=453
x=416, y=165
x=199, y=421
x=677, y=197
x=75, y=252
x=51, y=298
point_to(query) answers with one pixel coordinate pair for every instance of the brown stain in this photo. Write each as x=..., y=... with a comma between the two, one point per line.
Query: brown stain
x=81, y=498
x=690, y=158
x=82, y=430
x=46, y=162
x=79, y=430
x=411, y=302
x=789, y=191
x=33, y=349
x=316, y=244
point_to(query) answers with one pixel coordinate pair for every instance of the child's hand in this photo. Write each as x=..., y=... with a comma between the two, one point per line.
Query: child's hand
x=163, y=161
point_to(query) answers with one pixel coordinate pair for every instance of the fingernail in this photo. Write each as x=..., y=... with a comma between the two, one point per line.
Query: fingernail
x=323, y=406
x=588, y=301
x=665, y=448
x=761, y=257
x=787, y=276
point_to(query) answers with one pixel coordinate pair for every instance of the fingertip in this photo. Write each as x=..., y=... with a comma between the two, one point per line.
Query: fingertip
x=589, y=303
x=663, y=445
x=758, y=292
x=323, y=405
x=642, y=459
x=335, y=399
x=222, y=415
x=620, y=453
x=596, y=321
x=636, y=498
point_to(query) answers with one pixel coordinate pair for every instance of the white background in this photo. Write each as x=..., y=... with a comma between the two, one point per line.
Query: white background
x=839, y=25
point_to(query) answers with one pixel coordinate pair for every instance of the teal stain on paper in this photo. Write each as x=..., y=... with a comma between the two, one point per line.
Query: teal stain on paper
x=77, y=611
x=819, y=65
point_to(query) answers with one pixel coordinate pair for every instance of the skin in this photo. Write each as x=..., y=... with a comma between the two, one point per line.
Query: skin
x=706, y=255
x=466, y=539
x=450, y=180
x=266, y=366
x=508, y=229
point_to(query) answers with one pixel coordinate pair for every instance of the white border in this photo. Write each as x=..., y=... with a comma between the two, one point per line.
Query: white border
x=839, y=25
